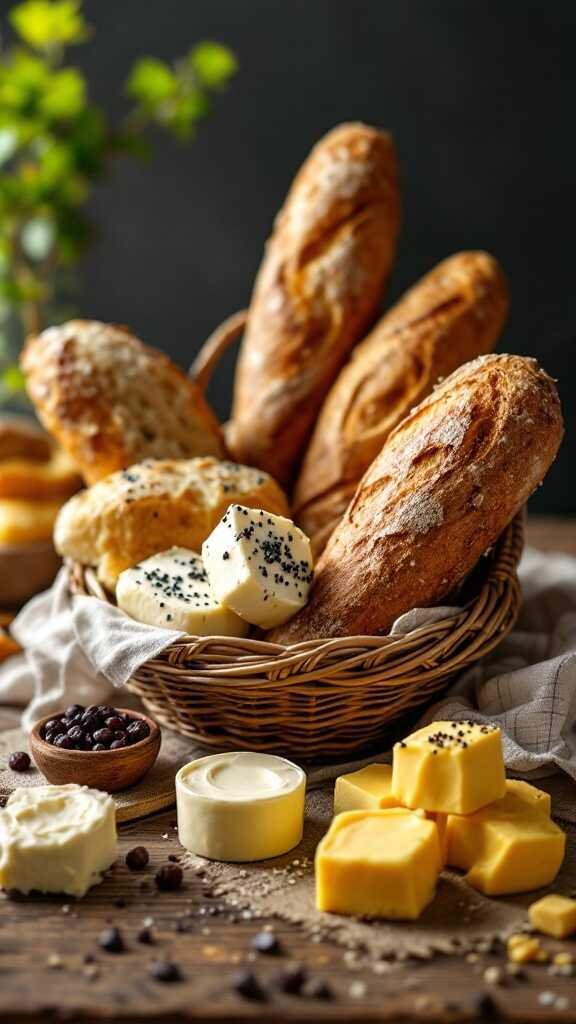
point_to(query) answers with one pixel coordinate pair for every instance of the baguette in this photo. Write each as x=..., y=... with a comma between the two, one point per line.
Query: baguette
x=455, y=313
x=446, y=483
x=316, y=293
x=111, y=401
x=154, y=506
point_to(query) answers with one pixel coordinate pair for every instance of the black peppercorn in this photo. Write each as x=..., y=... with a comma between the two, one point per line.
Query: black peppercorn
x=246, y=984
x=137, y=858
x=111, y=940
x=165, y=971
x=169, y=877
x=19, y=761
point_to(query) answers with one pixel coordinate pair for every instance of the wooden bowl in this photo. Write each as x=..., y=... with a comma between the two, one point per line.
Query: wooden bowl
x=110, y=770
x=25, y=570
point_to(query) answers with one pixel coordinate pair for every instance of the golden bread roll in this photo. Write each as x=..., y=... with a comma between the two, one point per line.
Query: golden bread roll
x=8, y=646
x=446, y=483
x=55, y=478
x=455, y=313
x=111, y=401
x=27, y=522
x=154, y=506
x=316, y=293
x=21, y=438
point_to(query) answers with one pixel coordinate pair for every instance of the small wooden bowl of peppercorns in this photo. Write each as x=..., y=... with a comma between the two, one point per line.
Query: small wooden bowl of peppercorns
x=100, y=746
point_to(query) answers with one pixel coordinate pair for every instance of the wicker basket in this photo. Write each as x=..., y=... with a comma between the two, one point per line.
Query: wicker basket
x=321, y=697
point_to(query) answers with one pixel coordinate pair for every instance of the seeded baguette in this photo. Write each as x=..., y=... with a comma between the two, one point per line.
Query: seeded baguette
x=316, y=293
x=112, y=401
x=446, y=483
x=453, y=314
x=154, y=506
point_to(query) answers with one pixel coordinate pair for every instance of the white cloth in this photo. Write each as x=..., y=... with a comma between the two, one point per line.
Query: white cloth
x=79, y=649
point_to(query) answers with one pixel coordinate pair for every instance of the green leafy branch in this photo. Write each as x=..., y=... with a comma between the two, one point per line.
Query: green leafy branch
x=55, y=143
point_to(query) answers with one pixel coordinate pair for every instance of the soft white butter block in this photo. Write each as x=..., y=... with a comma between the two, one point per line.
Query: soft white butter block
x=240, y=806
x=171, y=589
x=56, y=839
x=258, y=564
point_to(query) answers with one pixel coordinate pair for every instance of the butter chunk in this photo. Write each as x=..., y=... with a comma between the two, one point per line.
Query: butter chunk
x=508, y=847
x=259, y=565
x=554, y=915
x=171, y=589
x=56, y=839
x=451, y=767
x=368, y=788
x=538, y=799
x=380, y=863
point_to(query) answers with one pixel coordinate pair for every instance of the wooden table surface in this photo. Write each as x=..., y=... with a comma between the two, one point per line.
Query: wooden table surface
x=51, y=966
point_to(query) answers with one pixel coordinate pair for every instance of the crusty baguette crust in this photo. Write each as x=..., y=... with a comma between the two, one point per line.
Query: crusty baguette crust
x=446, y=483
x=453, y=314
x=111, y=401
x=157, y=505
x=316, y=293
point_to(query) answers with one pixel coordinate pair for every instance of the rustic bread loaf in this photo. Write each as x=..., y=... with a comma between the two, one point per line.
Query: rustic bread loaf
x=446, y=483
x=21, y=438
x=55, y=478
x=452, y=315
x=316, y=293
x=153, y=506
x=111, y=401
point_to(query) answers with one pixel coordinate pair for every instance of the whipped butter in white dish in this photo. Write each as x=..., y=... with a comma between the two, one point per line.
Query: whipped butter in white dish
x=240, y=806
x=56, y=839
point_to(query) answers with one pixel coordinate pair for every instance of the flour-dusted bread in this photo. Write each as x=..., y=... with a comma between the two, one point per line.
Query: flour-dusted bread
x=156, y=505
x=455, y=313
x=111, y=401
x=446, y=483
x=316, y=293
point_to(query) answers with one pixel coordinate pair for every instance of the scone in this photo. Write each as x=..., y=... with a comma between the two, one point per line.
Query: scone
x=111, y=401
x=153, y=506
x=453, y=314
x=446, y=483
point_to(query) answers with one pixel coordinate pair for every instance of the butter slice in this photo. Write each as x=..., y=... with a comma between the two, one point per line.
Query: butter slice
x=554, y=915
x=240, y=806
x=259, y=565
x=508, y=847
x=451, y=767
x=171, y=589
x=369, y=788
x=378, y=863
x=56, y=839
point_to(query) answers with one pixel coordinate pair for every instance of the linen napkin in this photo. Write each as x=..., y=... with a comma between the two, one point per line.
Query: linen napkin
x=79, y=650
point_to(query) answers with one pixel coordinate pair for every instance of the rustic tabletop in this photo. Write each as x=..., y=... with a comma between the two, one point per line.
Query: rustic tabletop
x=52, y=966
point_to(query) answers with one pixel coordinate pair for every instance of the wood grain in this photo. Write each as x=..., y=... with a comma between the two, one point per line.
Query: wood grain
x=218, y=943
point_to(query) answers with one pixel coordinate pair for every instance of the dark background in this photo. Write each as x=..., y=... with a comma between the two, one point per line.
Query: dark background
x=479, y=96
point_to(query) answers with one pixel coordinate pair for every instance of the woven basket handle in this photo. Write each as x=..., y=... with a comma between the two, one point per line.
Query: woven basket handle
x=215, y=346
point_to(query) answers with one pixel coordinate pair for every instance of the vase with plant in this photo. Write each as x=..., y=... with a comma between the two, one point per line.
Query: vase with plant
x=55, y=143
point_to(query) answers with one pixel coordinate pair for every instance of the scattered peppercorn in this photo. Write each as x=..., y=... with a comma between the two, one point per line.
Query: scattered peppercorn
x=137, y=858
x=317, y=989
x=266, y=942
x=146, y=937
x=169, y=877
x=165, y=971
x=111, y=940
x=19, y=761
x=291, y=980
x=246, y=984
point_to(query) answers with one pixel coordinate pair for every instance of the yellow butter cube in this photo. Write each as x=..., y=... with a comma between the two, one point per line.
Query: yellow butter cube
x=509, y=846
x=369, y=788
x=554, y=915
x=536, y=797
x=451, y=767
x=380, y=863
